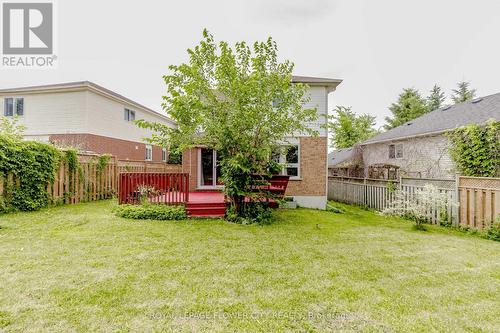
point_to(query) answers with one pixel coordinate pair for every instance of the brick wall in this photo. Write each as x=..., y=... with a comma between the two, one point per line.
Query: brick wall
x=122, y=149
x=190, y=165
x=313, y=158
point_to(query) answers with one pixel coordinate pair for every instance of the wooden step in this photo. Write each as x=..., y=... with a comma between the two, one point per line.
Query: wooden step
x=206, y=209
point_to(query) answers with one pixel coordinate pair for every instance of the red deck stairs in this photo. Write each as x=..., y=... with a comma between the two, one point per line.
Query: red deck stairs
x=206, y=204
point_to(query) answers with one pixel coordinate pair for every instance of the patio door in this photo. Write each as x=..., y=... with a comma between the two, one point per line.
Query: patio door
x=208, y=169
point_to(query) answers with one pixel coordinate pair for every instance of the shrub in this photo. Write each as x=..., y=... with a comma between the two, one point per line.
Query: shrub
x=32, y=166
x=251, y=213
x=475, y=149
x=151, y=212
x=493, y=232
x=416, y=206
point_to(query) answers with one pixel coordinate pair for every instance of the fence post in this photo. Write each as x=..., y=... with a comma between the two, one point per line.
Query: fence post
x=457, y=198
x=365, y=197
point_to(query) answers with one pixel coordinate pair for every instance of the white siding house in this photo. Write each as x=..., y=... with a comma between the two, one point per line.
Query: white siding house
x=84, y=115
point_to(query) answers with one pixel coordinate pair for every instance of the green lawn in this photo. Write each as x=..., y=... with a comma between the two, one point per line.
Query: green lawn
x=79, y=268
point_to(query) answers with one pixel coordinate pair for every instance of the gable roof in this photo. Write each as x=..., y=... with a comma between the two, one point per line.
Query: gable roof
x=339, y=156
x=81, y=85
x=477, y=111
x=317, y=81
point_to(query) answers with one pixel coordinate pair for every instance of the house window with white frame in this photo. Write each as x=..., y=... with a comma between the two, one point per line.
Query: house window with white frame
x=164, y=154
x=289, y=158
x=13, y=106
x=128, y=115
x=149, y=153
x=396, y=151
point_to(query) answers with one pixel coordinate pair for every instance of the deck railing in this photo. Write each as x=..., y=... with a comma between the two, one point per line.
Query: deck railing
x=161, y=188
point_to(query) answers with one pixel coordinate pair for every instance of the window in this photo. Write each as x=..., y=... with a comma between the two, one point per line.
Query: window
x=396, y=151
x=149, y=153
x=128, y=115
x=399, y=150
x=289, y=158
x=292, y=161
x=392, y=151
x=164, y=154
x=8, y=109
x=13, y=107
x=20, y=106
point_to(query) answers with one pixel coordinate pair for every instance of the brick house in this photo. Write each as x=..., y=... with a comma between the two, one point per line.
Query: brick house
x=92, y=118
x=305, y=162
x=420, y=148
x=85, y=116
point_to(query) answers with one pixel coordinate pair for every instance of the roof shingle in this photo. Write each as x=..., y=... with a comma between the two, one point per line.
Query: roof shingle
x=477, y=111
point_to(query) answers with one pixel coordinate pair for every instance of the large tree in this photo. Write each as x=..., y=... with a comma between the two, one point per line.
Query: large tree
x=409, y=105
x=237, y=100
x=347, y=128
x=436, y=98
x=463, y=93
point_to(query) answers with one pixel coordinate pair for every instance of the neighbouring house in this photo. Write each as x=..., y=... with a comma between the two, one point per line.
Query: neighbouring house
x=345, y=162
x=85, y=116
x=305, y=162
x=420, y=148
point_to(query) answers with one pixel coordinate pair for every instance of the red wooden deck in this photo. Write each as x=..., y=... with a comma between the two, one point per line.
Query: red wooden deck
x=173, y=188
x=209, y=204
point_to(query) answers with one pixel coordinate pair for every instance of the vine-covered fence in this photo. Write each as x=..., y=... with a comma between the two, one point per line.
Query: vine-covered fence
x=90, y=179
x=472, y=201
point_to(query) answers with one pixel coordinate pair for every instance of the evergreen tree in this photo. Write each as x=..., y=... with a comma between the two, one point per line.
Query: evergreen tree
x=436, y=98
x=463, y=93
x=409, y=105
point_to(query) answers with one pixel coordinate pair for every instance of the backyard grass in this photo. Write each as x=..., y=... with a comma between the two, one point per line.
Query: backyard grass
x=79, y=268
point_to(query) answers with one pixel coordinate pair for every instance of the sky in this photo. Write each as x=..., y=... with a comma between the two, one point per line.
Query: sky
x=377, y=47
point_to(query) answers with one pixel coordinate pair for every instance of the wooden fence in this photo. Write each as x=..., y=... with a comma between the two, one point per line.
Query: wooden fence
x=90, y=182
x=147, y=166
x=366, y=192
x=379, y=195
x=166, y=188
x=479, y=201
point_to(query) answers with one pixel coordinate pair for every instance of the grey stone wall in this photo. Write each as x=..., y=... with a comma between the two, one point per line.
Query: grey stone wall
x=426, y=157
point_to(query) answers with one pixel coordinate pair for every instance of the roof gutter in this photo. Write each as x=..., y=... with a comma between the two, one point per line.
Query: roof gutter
x=404, y=137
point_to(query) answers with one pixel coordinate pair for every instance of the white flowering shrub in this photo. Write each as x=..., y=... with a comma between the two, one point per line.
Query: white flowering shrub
x=419, y=205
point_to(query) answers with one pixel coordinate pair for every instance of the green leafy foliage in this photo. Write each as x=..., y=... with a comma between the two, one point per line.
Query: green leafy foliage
x=102, y=161
x=475, y=149
x=32, y=166
x=410, y=105
x=347, y=128
x=151, y=212
x=252, y=213
x=237, y=100
x=463, y=93
x=493, y=232
x=10, y=128
x=174, y=157
x=71, y=157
